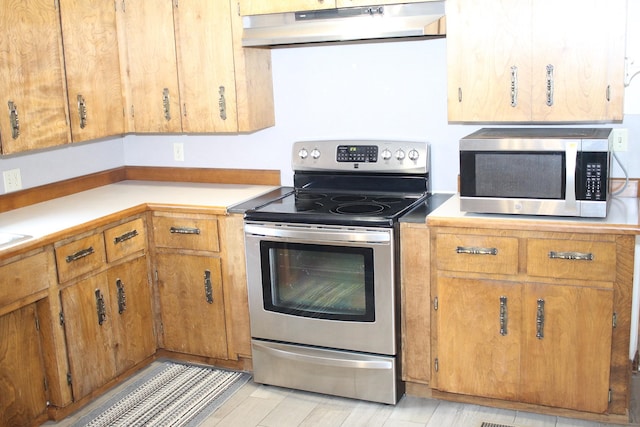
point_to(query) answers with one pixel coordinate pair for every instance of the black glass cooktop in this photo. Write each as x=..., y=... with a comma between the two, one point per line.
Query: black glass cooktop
x=336, y=208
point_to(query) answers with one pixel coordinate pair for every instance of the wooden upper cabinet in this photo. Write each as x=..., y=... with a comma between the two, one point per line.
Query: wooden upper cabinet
x=93, y=69
x=33, y=103
x=149, y=68
x=261, y=7
x=535, y=61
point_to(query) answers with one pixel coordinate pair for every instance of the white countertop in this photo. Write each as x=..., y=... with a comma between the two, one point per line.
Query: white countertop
x=623, y=215
x=46, y=218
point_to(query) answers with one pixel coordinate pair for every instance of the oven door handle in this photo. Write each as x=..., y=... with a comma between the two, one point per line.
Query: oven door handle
x=319, y=234
x=324, y=360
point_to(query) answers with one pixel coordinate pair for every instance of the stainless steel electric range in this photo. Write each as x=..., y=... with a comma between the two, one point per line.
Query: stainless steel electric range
x=323, y=268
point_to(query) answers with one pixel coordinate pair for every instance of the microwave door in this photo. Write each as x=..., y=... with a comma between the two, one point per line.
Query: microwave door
x=570, y=203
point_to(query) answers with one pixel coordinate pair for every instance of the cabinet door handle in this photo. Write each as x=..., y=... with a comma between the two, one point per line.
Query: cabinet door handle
x=166, y=105
x=471, y=250
x=124, y=237
x=82, y=111
x=580, y=256
x=550, y=84
x=13, y=118
x=503, y=315
x=184, y=230
x=80, y=254
x=514, y=86
x=222, y=103
x=122, y=298
x=100, y=307
x=540, y=319
x=208, y=287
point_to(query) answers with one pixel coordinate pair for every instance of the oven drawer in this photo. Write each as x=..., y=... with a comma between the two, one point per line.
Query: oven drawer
x=341, y=373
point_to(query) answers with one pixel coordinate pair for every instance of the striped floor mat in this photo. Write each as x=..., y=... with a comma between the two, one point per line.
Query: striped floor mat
x=170, y=394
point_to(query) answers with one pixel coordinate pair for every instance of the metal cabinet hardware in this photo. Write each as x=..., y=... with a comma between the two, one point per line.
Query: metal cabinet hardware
x=166, y=105
x=608, y=93
x=15, y=122
x=100, y=307
x=80, y=254
x=122, y=298
x=476, y=251
x=459, y=94
x=124, y=237
x=580, y=256
x=184, y=230
x=222, y=103
x=540, y=319
x=503, y=315
x=82, y=111
x=550, y=84
x=208, y=286
x=514, y=86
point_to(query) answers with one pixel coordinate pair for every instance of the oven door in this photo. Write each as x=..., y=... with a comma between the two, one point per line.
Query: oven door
x=324, y=286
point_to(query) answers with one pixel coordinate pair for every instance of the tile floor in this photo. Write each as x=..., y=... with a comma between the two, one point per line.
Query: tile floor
x=256, y=405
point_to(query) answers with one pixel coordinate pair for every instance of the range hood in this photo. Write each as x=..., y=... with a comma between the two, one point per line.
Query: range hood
x=345, y=24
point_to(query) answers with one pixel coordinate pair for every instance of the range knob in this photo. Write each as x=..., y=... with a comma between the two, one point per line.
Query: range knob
x=413, y=155
x=400, y=155
x=303, y=153
x=386, y=154
x=315, y=153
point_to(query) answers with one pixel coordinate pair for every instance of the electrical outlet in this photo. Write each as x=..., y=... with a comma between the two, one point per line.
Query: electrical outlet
x=12, y=180
x=620, y=139
x=178, y=151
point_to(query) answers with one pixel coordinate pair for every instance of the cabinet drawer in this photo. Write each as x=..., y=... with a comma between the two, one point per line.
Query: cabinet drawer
x=186, y=232
x=125, y=239
x=472, y=253
x=571, y=259
x=25, y=277
x=80, y=256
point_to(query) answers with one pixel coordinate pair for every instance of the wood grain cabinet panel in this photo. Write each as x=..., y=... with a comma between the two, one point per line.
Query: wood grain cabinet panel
x=24, y=277
x=477, y=253
x=184, y=231
x=80, y=256
x=125, y=239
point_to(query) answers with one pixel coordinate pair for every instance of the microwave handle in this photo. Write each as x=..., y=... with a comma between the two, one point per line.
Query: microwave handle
x=571, y=152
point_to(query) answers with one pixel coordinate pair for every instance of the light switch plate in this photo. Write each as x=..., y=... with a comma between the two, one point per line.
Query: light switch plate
x=620, y=139
x=178, y=151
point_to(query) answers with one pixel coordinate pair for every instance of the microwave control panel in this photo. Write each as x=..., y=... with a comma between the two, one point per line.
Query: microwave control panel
x=592, y=176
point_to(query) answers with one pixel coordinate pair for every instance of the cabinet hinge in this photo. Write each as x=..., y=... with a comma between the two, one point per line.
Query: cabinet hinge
x=61, y=318
x=37, y=324
x=69, y=382
x=435, y=364
x=435, y=303
x=610, y=395
x=614, y=322
x=156, y=274
x=238, y=4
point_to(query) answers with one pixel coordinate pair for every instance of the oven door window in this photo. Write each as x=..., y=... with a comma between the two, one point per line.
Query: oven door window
x=513, y=174
x=319, y=281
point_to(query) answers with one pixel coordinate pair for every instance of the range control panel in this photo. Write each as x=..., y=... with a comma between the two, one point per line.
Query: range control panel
x=361, y=155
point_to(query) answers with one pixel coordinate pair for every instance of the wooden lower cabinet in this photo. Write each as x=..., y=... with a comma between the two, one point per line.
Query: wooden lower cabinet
x=533, y=343
x=22, y=377
x=192, y=304
x=108, y=324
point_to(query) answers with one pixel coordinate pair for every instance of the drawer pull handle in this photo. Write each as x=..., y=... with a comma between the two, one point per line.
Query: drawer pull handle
x=122, y=297
x=80, y=254
x=503, y=315
x=540, y=320
x=14, y=120
x=476, y=251
x=100, y=307
x=184, y=230
x=580, y=256
x=208, y=287
x=125, y=236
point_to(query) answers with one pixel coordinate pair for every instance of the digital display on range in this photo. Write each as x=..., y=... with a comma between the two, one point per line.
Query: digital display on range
x=357, y=153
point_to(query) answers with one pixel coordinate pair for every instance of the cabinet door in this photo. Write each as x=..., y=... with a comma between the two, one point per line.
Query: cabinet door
x=192, y=304
x=489, y=60
x=204, y=46
x=478, y=337
x=587, y=65
x=567, y=335
x=33, y=104
x=21, y=369
x=153, y=100
x=132, y=315
x=88, y=324
x=259, y=7
x=92, y=66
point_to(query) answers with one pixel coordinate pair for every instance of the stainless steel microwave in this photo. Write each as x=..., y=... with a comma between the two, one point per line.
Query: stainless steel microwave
x=536, y=171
